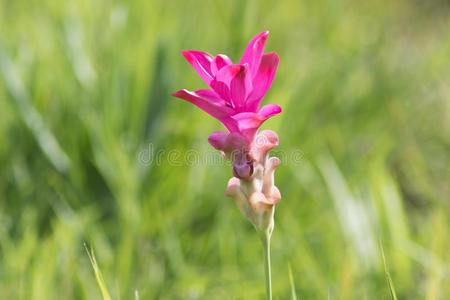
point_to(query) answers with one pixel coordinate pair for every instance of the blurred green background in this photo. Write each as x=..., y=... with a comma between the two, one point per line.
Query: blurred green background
x=85, y=91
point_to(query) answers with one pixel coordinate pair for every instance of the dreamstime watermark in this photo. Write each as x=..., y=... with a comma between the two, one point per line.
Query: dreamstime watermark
x=195, y=157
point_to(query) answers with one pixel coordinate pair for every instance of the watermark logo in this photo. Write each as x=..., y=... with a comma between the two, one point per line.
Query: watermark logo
x=149, y=156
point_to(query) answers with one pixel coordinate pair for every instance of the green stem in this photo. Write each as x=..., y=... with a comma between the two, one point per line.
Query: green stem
x=265, y=239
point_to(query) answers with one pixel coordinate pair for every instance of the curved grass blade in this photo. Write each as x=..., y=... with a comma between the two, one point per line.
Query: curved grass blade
x=98, y=274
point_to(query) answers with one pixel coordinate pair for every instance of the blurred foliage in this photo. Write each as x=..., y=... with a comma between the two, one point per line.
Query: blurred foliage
x=85, y=92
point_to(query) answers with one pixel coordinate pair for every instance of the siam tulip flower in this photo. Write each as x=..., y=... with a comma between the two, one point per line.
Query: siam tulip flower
x=235, y=96
x=235, y=100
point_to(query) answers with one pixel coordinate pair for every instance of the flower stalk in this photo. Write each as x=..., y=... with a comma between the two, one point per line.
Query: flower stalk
x=265, y=240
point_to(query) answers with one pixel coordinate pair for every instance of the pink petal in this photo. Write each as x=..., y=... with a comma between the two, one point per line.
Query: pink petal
x=233, y=83
x=241, y=86
x=235, y=144
x=209, y=102
x=201, y=62
x=219, y=62
x=230, y=124
x=249, y=122
x=222, y=81
x=269, y=110
x=217, y=139
x=263, y=79
x=253, y=53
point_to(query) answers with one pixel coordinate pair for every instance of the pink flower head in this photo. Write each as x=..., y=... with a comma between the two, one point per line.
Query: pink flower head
x=235, y=97
x=236, y=89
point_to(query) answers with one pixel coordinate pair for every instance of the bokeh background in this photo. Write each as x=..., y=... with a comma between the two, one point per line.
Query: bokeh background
x=85, y=92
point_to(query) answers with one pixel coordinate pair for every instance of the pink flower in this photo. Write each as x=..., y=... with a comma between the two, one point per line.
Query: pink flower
x=234, y=99
x=236, y=89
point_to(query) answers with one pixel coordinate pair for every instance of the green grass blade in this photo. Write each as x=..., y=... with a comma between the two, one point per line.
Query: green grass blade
x=291, y=282
x=31, y=116
x=388, y=276
x=98, y=274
